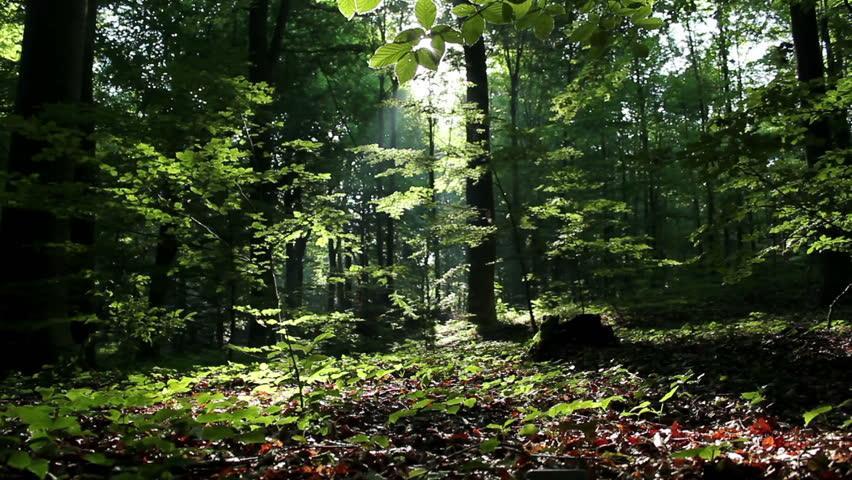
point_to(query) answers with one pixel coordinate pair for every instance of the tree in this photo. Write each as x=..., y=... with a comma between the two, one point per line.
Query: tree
x=34, y=231
x=837, y=266
x=479, y=191
x=264, y=50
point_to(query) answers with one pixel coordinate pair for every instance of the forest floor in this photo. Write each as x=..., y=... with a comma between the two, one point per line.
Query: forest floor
x=740, y=399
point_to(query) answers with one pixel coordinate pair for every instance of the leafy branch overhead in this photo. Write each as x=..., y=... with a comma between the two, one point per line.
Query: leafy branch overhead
x=595, y=25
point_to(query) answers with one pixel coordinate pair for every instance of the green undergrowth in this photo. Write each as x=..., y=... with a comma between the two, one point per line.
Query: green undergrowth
x=478, y=409
x=719, y=328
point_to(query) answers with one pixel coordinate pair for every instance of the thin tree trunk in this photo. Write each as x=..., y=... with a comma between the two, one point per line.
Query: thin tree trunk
x=433, y=243
x=331, y=289
x=390, y=230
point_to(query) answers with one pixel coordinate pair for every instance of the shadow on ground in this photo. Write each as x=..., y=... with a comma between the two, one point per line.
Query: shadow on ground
x=796, y=372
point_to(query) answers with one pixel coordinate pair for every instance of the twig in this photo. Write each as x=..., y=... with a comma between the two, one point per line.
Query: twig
x=833, y=303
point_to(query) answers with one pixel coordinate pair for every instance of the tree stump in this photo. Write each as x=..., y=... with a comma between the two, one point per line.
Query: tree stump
x=558, y=337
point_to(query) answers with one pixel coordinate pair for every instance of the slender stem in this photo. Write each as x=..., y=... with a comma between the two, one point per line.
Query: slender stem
x=833, y=303
x=289, y=343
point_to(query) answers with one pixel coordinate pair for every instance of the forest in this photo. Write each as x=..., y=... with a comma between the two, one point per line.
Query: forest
x=434, y=239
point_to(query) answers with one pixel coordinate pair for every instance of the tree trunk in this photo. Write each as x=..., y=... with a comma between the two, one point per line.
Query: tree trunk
x=161, y=292
x=33, y=295
x=390, y=230
x=82, y=228
x=809, y=67
x=331, y=288
x=344, y=264
x=434, y=243
x=263, y=52
x=479, y=192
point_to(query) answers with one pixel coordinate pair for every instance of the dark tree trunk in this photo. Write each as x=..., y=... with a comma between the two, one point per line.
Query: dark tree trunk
x=294, y=274
x=162, y=283
x=344, y=264
x=33, y=295
x=82, y=228
x=479, y=192
x=332, y=301
x=161, y=293
x=810, y=70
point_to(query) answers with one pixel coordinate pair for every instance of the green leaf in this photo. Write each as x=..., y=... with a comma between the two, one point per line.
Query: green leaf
x=412, y=35
x=670, y=393
x=98, y=459
x=36, y=417
x=452, y=36
x=640, y=50
x=528, y=20
x=347, y=8
x=216, y=433
x=406, y=68
x=528, y=430
x=568, y=408
x=365, y=6
x=464, y=10
x=521, y=8
x=650, y=23
x=381, y=441
x=584, y=31
x=389, y=54
x=498, y=13
x=489, y=445
x=754, y=398
x=472, y=29
x=416, y=472
x=810, y=415
x=707, y=453
x=427, y=58
x=257, y=435
x=426, y=12
x=447, y=33
x=395, y=416
x=360, y=438
x=542, y=26
x=19, y=460
x=39, y=467
x=554, y=9
x=439, y=46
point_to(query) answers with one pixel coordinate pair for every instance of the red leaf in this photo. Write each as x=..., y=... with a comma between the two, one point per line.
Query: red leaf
x=760, y=426
x=676, y=433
